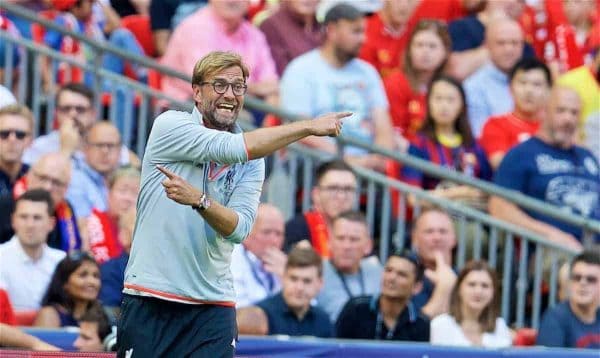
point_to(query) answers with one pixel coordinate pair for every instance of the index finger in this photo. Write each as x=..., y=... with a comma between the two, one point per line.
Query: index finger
x=166, y=172
x=340, y=115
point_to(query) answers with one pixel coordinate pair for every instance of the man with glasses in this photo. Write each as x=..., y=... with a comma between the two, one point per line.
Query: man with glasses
x=52, y=172
x=575, y=323
x=390, y=315
x=16, y=124
x=74, y=114
x=348, y=272
x=200, y=189
x=88, y=188
x=335, y=192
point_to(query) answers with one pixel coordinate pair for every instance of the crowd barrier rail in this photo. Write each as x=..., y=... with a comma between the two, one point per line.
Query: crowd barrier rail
x=284, y=346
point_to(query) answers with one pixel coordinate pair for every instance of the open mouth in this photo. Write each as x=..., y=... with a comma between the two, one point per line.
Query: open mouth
x=226, y=107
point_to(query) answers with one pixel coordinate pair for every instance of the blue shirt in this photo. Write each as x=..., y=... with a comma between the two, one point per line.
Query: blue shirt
x=488, y=93
x=310, y=86
x=561, y=328
x=112, y=274
x=282, y=320
x=87, y=189
x=569, y=179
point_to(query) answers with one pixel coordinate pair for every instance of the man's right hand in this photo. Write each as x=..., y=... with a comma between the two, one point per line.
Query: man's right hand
x=70, y=136
x=443, y=275
x=328, y=125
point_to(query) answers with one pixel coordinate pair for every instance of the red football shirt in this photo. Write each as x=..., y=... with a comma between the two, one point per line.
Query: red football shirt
x=407, y=107
x=501, y=133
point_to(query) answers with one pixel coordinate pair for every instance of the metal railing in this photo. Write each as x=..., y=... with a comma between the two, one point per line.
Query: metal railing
x=142, y=104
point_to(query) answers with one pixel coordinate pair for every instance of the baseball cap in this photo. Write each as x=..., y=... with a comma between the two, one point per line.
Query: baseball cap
x=334, y=10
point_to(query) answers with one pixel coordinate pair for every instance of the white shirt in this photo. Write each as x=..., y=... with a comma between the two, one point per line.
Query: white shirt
x=6, y=97
x=24, y=279
x=445, y=331
x=250, y=280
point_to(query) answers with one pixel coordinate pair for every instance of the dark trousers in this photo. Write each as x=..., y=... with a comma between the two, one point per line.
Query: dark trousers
x=150, y=327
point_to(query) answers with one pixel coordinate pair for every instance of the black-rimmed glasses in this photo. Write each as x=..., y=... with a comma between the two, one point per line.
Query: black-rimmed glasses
x=238, y=88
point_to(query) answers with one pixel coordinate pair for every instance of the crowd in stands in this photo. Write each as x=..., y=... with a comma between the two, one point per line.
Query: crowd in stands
x=503, y=91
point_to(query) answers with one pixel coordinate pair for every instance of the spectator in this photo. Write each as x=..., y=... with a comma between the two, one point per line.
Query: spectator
x=291, y=31
x=8, y=27
x=433, y=238
x=165, y=15
x=487, y=89
x=79, y=16
x=446, y=140
x=585, y=80
x=27, y=261
x=347, y=274
x=74, y=115
x=88, y=188
x=469, y=35
x=575, y=323
x=94, y=327
x=290, y=312
x=530, y=83
x=552, y=168
x=6, y=97
x=428, y=50
x=16, y=127
x=390, y=315
x=335, y=191
x=257, y=264
x=473, y=319
x=234, y=34
x=340, y=81
x=103, y=226
x=14, y=337
x=387, y=35
x=112, y=272
x=52, y=172
x=72, y=292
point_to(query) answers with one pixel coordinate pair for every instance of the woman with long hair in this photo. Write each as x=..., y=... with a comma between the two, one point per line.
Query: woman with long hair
x=446, y=140
x=473, y=319
x=72, y=291
x=427, y=52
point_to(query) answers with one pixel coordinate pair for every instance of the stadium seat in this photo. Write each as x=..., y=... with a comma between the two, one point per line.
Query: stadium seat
x=139, y=25
x=525, y=337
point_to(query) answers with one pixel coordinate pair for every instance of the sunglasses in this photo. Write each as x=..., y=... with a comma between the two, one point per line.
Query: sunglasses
x=4, y=134
x=80, y=256
x=585, y=278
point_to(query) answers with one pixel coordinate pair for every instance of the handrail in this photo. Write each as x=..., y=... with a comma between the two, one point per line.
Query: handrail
x=455, y=176
x=250, y=101
x=256, y=104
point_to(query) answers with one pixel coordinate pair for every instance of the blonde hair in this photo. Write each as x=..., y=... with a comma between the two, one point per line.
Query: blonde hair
x=16, y=109
x=123, y=172
x=215, y=62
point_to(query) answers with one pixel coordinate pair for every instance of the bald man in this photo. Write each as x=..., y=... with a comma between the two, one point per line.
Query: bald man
x=101, y=150
x=257, y=264
x=52, y=172
x=551, y=167
x=488, y=89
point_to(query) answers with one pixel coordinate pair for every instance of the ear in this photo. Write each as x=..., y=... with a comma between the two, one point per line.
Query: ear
x=315, y=196
x=368, y=247
x=197, y=90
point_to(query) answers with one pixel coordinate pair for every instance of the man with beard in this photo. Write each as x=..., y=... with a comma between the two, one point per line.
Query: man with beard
x=390, y=315
x=331, y=78
x=551, y=167
x=200, y=189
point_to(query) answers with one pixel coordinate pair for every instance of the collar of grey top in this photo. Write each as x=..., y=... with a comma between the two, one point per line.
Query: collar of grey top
x=197, y=116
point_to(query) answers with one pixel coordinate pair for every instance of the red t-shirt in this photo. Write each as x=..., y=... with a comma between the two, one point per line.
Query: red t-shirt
x=407, y=107
x=501, y=133
x=382, y=48
x=7, y=314
x=447, y=10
